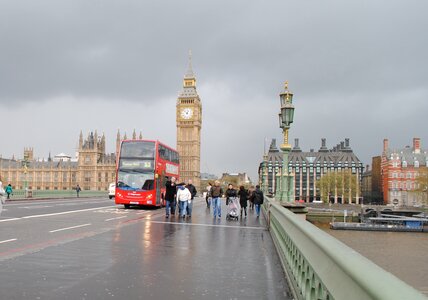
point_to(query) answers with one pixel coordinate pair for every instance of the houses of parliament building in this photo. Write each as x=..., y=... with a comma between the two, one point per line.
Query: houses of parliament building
x=93, y=169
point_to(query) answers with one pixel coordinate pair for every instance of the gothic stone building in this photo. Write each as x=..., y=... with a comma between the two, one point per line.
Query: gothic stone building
x=308, y=167
x=93, y=169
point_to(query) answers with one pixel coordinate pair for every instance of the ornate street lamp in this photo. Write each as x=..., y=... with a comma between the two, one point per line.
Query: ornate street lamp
x=286, y=117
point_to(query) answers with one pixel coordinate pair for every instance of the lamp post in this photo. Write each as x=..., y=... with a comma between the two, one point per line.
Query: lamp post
x=286, y=117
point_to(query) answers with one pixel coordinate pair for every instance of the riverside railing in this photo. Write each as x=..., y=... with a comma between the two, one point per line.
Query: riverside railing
x=22, y=194
x=318, y=266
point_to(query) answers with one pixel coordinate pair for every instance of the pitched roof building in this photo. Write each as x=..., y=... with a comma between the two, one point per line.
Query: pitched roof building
x=399, y=170
x=308, y=167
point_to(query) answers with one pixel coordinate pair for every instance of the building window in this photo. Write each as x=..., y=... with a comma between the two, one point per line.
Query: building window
x=416, y=164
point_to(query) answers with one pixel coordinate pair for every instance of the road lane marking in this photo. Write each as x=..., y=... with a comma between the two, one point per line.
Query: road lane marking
x=11, y=219
x=57, y=202
x=64, y=212
x=7, y=241
x=35, y=206
x=115, y=218
x=209, y=225
x=72, y=227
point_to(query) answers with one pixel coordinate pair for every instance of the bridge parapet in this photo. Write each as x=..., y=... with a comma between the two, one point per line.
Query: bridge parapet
x=321, y=267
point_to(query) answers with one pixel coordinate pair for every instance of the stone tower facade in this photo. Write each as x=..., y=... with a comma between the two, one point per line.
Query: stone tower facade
x=189, y=122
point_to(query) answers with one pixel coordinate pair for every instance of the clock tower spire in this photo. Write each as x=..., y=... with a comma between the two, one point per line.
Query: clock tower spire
x=189, y=122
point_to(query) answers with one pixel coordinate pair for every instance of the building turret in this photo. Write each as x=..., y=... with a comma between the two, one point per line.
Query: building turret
x=134, y=135
x=80, y=140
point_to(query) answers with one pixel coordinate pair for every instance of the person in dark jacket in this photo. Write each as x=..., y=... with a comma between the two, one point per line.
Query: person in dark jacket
x=230, y=193
x=243, y=198
x=251, y=196
x=257, y=199
x=216, y=193
x=170, y=193
x=193, y=192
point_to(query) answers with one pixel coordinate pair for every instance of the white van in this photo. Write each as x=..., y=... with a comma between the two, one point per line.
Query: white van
x=111, y=190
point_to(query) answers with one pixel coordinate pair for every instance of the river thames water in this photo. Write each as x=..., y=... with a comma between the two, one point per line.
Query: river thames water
x=404, y=254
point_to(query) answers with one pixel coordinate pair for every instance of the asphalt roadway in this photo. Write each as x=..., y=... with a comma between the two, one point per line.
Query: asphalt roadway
x=89, y=248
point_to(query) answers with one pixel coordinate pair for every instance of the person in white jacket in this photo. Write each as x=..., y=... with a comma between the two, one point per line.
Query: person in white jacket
x=184, y=196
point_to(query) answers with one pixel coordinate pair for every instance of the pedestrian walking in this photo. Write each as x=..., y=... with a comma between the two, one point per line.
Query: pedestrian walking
x=230, y=193
x=193, y=192
x=251, y=196
x=2, y=192
x=170, y=194
x=183, y=198
x=78, y=189
x=208, y=195
x=243, y=199
x=216, y=193
x=8, y=190
x=257, y=199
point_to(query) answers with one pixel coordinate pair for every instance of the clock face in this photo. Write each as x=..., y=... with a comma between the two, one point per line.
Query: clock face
x=186, y=113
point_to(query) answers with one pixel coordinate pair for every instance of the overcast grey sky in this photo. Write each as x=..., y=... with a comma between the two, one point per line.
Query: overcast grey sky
x=358, y=69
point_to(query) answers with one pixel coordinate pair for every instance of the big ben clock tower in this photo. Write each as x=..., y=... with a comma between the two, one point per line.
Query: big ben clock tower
x=189, y=121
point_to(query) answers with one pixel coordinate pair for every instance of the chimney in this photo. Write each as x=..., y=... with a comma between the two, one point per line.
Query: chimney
x=416, y=145
x=296, y=147
x=367, y=168
x=385, y=145
x=342, y=145
x=323, y=146
x=347, y=143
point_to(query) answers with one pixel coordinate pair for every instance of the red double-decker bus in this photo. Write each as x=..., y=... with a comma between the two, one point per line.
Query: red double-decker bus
x=142, y=169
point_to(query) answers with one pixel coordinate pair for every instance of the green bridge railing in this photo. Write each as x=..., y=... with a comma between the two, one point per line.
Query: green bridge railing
x=22, y=194
x=318, y=266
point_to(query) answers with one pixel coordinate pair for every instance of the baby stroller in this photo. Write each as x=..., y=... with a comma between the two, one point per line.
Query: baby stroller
x=233, y=209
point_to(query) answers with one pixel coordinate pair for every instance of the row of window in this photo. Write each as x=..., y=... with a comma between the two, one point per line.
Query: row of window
x=402, y=185
x=168, y=154
x=311, y=170
x=404, y=164
x=401, y=175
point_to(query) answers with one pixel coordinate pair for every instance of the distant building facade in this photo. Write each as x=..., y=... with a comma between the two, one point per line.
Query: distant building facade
x=308, y=167
x=399, y=169
x=237, y=179
x=92, y=168
x=371, y=186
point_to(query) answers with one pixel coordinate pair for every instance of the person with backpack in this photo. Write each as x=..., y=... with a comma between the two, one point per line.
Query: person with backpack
x=216, y=193
x=257, y=199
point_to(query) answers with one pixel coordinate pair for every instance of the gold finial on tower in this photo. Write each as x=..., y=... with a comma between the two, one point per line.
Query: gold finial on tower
x=286, y=85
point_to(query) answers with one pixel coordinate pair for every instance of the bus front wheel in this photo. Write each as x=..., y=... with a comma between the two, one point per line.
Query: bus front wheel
x=127, y=205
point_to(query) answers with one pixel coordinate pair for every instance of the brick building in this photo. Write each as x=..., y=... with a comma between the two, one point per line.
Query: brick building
x=399, y=170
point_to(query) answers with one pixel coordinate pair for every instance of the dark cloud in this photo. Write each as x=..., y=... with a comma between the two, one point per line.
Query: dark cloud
x=358, y=70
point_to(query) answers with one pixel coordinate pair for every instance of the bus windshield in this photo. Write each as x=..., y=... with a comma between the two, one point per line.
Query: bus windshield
x=138, y=149
x=135, y=180
x=136, y=166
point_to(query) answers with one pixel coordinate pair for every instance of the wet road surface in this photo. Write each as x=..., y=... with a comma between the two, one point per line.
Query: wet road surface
x=96, y=250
